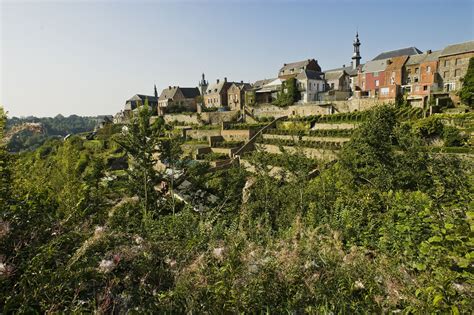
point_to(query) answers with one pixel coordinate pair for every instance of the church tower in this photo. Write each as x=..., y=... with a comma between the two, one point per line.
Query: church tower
x=356, y=56
x=203, y=85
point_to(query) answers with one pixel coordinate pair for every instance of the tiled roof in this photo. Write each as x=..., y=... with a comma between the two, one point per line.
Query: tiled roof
x=458, y=49
x=398, y=52
x=425, y=57
x=347, y=69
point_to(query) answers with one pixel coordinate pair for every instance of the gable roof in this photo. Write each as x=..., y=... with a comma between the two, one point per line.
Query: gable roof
x=297, y=64
x=347, y=69
x=217, y=87
x=398, y=52
x=375, y=65
x=259, y=83
x=190, y=92
x=396, y=63
x=458, y=49
x=142, y=97
x=168, y=93
x=309, y=74
x=425, y=57
x=334, y=75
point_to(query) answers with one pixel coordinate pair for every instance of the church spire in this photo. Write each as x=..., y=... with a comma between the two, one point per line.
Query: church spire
x=356, y=55
x=156, y=92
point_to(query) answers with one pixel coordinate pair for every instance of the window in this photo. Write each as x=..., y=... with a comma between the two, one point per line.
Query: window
x=409, y=71
x=446, y=63
x=376, y=82
x=425, y=87
x=409, y=80
x=392, y=80
x=376, y=74
x=415, y=79
x=428, y=69
x=417, y=70
x=445, y=74
x=384, y=91
x=417, y=88
x=332, y=85
x=393, y=74
x=457, y=72
x=458, y=61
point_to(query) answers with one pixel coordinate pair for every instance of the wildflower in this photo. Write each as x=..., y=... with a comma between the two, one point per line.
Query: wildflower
x=218, y=253
x=359, y=285
x=106, y=265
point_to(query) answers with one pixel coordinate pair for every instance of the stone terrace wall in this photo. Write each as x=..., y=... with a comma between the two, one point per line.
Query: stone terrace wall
x=219, y=117
x=182, y=118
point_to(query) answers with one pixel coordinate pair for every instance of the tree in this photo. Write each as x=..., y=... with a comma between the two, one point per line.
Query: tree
x=142, y=144
x=289, y=93
x=467, y=91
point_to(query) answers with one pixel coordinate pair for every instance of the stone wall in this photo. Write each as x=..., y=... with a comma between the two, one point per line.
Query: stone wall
x=237, y=135
x=202, y=134
x=219, y=117
x=182, y=118
x=318, y=108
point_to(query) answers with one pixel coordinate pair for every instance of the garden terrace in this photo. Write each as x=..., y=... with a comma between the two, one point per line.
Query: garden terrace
x=212, y=156
x=244, y=126
x=328, y=133
x=328, y=145
x=305, y=138
x=227, y=144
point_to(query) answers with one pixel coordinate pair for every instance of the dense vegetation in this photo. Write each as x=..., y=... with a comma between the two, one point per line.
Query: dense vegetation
x=52, y=127
x=386, y=228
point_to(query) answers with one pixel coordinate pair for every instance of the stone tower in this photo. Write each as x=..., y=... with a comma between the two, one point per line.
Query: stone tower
x=356, y=55
x=203, y=85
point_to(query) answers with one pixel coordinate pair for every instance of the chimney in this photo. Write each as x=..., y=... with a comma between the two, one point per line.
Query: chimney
x=241, y=81
x=284, y=64
x=169, y=87
x=225, y=79
x=217, y=80
x=343, y=66
x=429, y=51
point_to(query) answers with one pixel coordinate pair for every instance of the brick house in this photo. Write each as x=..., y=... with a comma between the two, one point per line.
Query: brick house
x=236, y=95
x=421, y=77
x=393, y=78
x=372, y=74
x=290, y=70
x=453, y=64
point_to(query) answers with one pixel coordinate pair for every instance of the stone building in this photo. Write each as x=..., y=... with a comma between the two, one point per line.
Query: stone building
x=138, y=100
x=291, y=70
x=216, y=94
x=337, y=80
x=453, y=64
x=236, y=95
x=178, y=99
x=310, y=84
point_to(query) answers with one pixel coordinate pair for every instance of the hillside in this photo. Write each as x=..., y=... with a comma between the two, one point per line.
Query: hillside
x=22, y=137
x=133, y=222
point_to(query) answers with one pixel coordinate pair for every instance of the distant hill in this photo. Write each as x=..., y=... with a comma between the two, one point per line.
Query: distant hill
x=23, y=137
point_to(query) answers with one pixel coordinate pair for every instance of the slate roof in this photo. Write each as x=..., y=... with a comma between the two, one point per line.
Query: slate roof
x=259, y=83
x=217, y=87
x=190, y=92
x=142, y=97
x=375, y=65
x=458, y=49
x=334, y=75
x=295, y=65
x=398, y=52
x=425, y=57
x=168, y=93
x=347, y=69
x=309, y=74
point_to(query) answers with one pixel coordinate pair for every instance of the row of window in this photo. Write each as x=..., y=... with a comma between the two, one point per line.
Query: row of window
x=457, y=73
x=457, y=62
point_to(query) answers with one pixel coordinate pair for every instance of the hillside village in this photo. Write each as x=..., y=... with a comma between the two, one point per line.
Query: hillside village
x=306, y=109
x=425, y=80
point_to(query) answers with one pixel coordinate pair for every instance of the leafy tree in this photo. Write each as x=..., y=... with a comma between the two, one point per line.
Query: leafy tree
x=289, y=93
x=369, y=156
x=143, y=145
x=467, y=91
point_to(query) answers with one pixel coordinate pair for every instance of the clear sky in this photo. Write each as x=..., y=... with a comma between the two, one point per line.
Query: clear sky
x=88, y=57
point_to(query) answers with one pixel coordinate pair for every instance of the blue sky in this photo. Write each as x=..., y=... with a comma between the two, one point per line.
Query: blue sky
x=88, y=57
